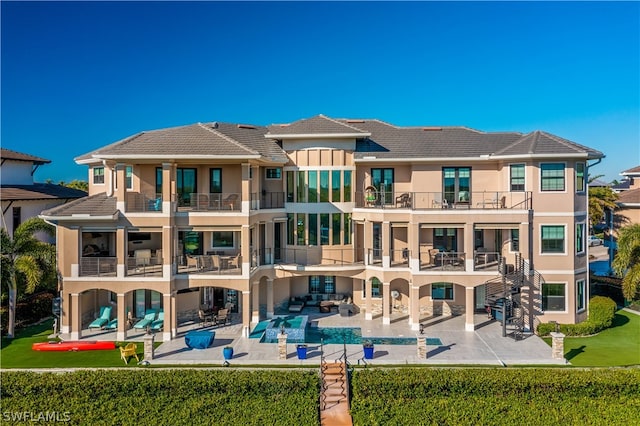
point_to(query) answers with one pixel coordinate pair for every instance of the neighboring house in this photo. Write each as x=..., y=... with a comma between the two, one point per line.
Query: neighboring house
x=416, y=221
x=21, y=197
x=628, y=211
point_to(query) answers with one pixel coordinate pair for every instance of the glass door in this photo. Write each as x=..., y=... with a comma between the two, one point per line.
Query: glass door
x=382, y=180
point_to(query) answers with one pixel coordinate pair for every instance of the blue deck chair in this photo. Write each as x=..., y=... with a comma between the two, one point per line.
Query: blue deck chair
x=103, y=319
x=149, y=317
x=113, y=324
x=159, y=323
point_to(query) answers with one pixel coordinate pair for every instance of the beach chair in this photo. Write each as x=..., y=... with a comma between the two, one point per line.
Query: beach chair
x=149, y=317
x=130, y=350
x=103, y=319
x=159, y=323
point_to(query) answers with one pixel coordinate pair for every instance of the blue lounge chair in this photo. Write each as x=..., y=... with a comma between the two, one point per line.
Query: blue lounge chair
x=149, y=317
x=113, y=324
x=103, y=319
x=159, y=323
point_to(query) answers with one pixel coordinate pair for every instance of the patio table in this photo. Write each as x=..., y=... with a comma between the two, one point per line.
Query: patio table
x=199, y=339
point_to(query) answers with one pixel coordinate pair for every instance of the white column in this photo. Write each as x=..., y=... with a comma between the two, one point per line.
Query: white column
x=469, y=304
x=386, y=303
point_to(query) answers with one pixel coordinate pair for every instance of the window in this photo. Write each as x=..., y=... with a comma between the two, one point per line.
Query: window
x=290, y=187
x=222, y=239
x=324, y=229
x=215, y=181
x=553, y=296
x=581, y=295
x=375, y=288
x=335, y=218
x=517, y=177
x=382, y=180
x=186, y=184
x=290, y=230
x=128, y=177
x=301, y=227
x=580, y=238
x=445, y=239
x=347, y=228
x=301, y=188
x=98, y=175
x=313, y=229
x=313, y=187
x=552, y=238
x=158, y=180
x=336, y=186
x=515, y=240
x=580, y=187
x=322, y=284
x=456, y=184
x=347, y=186
x=17, y=217
x=442, y=291
x=552, y=177
x=273, y=173
x=324, y=186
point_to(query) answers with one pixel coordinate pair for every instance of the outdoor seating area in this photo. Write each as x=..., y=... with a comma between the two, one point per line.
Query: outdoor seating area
x=148, y=320
x=214, y=317
x=323, y=301
x=211, y=263
x=103, y=319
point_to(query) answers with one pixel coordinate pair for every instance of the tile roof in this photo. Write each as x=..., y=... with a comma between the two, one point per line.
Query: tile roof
x=93, y=205
x=631, y=196
x=39, y=191
x=319, y=124
x=19, y=156
x=538, y=142
x=210, y=139
x=632, y=171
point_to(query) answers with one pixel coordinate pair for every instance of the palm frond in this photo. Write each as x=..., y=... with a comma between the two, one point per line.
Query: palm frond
x=29, y=268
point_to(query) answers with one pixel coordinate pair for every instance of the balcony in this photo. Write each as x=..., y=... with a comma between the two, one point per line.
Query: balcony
x=211, y=264
x=267, y=200
x=482, y=200
x=436, y=260
x=98, y=266
x=225, y=201
x=144, y=266
x=137, y=202
x=319, y=256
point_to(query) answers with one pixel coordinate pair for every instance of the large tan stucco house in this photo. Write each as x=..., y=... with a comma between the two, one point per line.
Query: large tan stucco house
x=373, y=217
x=628, y=209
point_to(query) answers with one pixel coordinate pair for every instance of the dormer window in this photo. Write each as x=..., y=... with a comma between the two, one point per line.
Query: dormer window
x=98, y=175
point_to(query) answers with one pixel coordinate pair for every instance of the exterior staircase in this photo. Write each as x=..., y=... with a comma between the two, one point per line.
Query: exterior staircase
x=334, y=393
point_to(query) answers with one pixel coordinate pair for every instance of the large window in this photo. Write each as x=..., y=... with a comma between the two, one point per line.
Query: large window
x=515, y=240
x=456, y=184
x=158, y=180
x=313, y=229
x=444, y=239
x=336, y=186
x=580, y=237
x=300, y=228
x=186, y=184
x=552, y=238
x=290, y=187
x=273, y=173
x=382, y=180
x=324, y=229
x=215, y=181
x=291, y=230
x=442, y=291
x=222, y=239
x=581, y=295
x=322, y=284
x=98, y=175
x=301, y=192
x=580, y=181
x=336, y=225
x=517, y=177
x=313, y=187
x=324, y=186
x=553, y=297
x=375, y=288
x=347, y=186
x=347, y=228
x=552, y=177
x=128, y=177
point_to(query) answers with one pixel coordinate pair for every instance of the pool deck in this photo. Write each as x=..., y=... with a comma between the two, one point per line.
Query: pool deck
x=484, y=346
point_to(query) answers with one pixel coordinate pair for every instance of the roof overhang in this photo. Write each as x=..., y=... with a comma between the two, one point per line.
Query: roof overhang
x=318, y=136
x=481, y=158
x=81, y=218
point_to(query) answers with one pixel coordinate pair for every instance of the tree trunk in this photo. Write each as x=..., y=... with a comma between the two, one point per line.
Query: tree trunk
x=13, y=291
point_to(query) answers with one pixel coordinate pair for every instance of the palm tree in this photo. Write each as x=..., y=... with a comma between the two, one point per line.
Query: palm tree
x=601, y=199
x=25, y=259
x=627, y=261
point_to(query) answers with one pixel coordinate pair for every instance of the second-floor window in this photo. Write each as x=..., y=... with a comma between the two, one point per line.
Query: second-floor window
x=98, y=175
x=456, y=184
x=273, y=173
x=186, y=184
x=128, y=177
x=580, y=238
x=552, y=238
x=580, y=180
x=516, y=172
x=581, y=295
x=552, y=177
x=382, y=180
x=215, y=181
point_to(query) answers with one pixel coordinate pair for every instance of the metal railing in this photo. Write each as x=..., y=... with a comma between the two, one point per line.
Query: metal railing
x=482, y=200
x=226, y=264
x=97, y=266
x=400, y=258
x=442, y=261
x=140, y=202
x=318, y=255
x=144, y=266
x=267, y=200
x=486, y=260
x=210, y=202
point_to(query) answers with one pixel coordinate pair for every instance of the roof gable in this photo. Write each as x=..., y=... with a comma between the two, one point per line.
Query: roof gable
x=320, y=125
x=9, y=154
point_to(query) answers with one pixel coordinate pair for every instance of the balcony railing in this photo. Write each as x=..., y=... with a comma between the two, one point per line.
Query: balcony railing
x=96, y=266
x=210, y=202
x=442, y=261
x=144, y=266
x=214, y=264
x=483, y=200
x=486, y=260
x=318, y=256
x=267, y=200
x=400, y=258
x=140, y=202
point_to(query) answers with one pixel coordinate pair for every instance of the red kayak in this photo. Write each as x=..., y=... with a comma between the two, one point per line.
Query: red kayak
x=73, y=345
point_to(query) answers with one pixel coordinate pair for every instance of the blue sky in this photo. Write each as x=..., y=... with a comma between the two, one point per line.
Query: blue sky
x=77, y=76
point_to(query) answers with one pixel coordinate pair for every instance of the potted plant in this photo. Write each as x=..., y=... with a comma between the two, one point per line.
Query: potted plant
x=227, y=352
x=302, y=351
x=367, y=347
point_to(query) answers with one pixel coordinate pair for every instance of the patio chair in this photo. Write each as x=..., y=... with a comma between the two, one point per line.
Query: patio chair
x=193, y=262
x=149, y=317
x=113, y=325
x=103, y=319
x=230, y=201
x=223, y=317
x=203, y=317
x=159, y=323
x=234, y=262
x=130, y=350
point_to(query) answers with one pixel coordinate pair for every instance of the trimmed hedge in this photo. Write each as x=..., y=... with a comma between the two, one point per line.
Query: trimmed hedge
x=175, y=397
x=410, y=396
x=602, y=310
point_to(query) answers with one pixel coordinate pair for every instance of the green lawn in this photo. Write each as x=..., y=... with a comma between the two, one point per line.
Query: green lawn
x=613, y=347
x=17, y=352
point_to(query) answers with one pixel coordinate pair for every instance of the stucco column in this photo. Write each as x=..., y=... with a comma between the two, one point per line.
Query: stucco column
x=65, y=326
x=246, y=312
x=386, y=303
x=246, y=187
x=167, y=308
x=368, y=303
x=121, y=315
x=121, y=189
x=255, y=302
x=367, y=240
x=414, y=246
x=245, y=249
x=386, y=244
x=168, y=174
x=173, y=319
x=269, y=298
x=121, y=252
x=414, y=306
x=469, y=304
x=469, y=242
x=167, y=245
x=76, y=316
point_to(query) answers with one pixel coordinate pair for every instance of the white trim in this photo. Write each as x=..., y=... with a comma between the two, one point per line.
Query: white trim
x=584, y=237
x=175, y=156
x=566, y=303
x=318, y=135
x=585, y=177
x=564, y=177
x=584, y=295
x=509, y=176
x=564, y=253
x=483, y=158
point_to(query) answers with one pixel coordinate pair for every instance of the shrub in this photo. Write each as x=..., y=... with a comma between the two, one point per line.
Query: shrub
x=601, y=311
